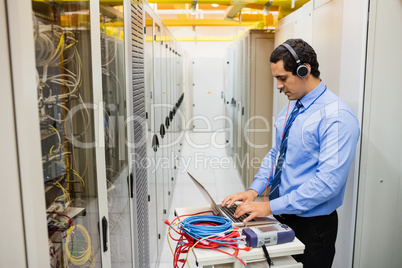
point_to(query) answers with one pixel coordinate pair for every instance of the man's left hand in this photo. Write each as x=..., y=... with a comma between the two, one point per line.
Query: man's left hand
x=256, y=209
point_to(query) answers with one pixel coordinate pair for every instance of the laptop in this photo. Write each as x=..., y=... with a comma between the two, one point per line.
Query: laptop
x=229, y=212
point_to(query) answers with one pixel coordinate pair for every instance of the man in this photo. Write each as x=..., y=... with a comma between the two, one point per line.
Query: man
x=307, y=168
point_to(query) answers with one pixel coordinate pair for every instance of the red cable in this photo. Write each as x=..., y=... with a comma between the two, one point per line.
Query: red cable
x=187, y=215
x=70, y=221
x=184, y=248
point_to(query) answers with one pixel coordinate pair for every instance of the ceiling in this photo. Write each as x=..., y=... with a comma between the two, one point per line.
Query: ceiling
x=208, y=20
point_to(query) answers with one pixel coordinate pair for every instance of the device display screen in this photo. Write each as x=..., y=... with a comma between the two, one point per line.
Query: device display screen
x=265, y=229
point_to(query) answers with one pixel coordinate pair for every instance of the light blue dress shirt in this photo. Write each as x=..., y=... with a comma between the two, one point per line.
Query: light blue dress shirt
x=321, y=146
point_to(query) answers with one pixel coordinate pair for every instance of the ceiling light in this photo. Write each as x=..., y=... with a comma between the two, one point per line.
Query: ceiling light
x=214, y=5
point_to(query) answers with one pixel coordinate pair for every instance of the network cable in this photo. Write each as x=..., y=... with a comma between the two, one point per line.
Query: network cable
x=204, y=231
x=82, y=255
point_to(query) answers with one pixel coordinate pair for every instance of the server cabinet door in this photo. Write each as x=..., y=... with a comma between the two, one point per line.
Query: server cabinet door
x=159, y=133
x=65, y=97
x=12, y=252
x=207, y=87
x=138, y=131
x=244, y=108
x=164, y=170
x=168, y=122
x=118, y=179
x=229, y=100
x=152, y=144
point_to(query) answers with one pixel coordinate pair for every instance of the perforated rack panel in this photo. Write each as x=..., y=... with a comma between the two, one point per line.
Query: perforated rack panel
x=140, y=174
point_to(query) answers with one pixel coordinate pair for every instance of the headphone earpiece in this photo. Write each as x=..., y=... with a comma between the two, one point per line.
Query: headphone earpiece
x=302, y=69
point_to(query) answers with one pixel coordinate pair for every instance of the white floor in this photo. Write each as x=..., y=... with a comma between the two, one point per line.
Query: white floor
x=204, y=156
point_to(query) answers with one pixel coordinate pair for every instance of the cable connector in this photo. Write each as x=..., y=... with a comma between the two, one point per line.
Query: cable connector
x=203, y=242
x=220, y=235
x=241, y=244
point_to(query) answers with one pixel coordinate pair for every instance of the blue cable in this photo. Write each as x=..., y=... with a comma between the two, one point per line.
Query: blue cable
x=191, y=225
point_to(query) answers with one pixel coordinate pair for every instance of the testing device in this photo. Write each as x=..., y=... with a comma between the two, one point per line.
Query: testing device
x=272, y=234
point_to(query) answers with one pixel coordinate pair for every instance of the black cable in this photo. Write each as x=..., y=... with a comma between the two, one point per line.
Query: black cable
x=269, y=261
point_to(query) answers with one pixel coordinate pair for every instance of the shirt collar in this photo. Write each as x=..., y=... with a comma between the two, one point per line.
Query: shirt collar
x=311, y=96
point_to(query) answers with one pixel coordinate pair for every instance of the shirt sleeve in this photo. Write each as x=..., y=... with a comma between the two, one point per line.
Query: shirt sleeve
x=338, y=136
x=260, y=179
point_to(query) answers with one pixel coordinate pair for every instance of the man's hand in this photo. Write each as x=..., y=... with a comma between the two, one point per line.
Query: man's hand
x=256, y=209
x=248, y=195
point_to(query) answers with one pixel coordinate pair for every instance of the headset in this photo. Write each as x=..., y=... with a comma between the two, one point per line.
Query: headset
x=302, y=69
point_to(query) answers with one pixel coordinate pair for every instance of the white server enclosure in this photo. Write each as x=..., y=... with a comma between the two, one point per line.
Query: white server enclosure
x=249, y=101
x=76, y=108
x=164, y=95
x=380, y=184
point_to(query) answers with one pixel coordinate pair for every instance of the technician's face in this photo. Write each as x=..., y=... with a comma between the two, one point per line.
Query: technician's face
x=291, y=85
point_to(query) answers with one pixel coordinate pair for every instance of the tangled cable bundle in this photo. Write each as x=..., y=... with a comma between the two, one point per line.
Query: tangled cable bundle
x=203, y=231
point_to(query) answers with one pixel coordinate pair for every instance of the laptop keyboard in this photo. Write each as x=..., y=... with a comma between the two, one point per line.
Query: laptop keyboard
x=230, y=213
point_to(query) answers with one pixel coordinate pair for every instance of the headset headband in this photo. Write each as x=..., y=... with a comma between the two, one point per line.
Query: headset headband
x=301, y=69
x=290, y=49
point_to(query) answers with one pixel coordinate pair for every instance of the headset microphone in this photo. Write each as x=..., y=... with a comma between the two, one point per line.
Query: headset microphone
x=280, y=90
x=302, y=69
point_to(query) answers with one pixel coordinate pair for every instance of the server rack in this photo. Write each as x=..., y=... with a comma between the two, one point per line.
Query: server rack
x=72, y=104
x=68, y=81
x=81, y=126
x=249, y=101
x=164, y=97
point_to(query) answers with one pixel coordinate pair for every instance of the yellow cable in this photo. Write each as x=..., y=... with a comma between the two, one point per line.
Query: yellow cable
x=170, y=246
x=59, y=221
x=51, y=149
x=76, y=174
x=84, y=255
x=58, y=47
x=58, y=136
x=67, y=168
x=64, y=191
x=70, y=45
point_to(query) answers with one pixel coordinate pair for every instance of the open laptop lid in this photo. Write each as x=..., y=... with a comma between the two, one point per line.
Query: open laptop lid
x=206, y=195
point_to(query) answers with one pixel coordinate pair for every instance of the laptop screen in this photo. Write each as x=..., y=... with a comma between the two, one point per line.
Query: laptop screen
x=206, y=195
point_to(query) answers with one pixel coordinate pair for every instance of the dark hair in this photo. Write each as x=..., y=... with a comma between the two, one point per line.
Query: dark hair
x=303, y=50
